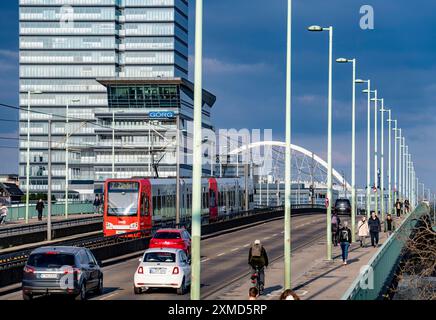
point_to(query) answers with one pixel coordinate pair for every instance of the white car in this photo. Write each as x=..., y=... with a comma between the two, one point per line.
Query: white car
x=163, y=268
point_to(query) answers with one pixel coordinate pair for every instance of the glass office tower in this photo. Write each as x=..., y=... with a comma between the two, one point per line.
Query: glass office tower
x=64, y=46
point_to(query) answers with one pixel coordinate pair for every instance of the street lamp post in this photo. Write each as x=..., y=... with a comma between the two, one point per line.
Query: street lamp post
x=390, y=162
x=376, y=151
x=353, y=146
x=28, y=153
x=329, y=137
x=67, y=150
x=197, y=156
x=395, y=129
x=368, y=151
x=288, y=155
x=382, y=160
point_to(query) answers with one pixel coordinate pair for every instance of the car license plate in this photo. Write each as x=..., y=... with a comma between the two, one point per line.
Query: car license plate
x=157, y=271
x=48, y=276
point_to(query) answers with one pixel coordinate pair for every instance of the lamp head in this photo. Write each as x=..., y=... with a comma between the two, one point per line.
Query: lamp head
x=315, y=28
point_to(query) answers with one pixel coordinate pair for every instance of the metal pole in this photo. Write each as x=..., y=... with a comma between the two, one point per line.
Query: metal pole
x=329, y=147
x=288, y=167
x=49, y=183
x=113, y=143
x=178, y=171
x=390, y=163
x=395, y=162
x=368, y=155
x=400, y=165
x=246, y=172
x=376, y=153
x=353, y=158
x=197, y=157
x=28, y=159
x=67, y=178
x=382, y=160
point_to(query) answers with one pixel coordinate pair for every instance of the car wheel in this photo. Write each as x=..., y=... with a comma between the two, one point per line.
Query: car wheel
x=82, y=294
x=27, y=297
x=137, y=290
x=181, y=291
x=100, y=286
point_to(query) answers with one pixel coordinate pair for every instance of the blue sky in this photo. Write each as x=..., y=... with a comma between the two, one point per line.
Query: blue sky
x=244, y=65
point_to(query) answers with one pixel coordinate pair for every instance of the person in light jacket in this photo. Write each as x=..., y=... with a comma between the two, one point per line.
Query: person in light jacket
x=362, y=231
x=3, y=213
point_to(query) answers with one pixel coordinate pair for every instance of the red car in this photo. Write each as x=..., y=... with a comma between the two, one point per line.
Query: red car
x=173, y=239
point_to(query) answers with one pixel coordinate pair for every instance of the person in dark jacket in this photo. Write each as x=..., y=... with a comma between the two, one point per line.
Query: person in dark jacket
x=40, y=208
x=374, y=229
x=390, y=224
x=258, y=259
x=336, y=222
x=345, y=241
x=97, y=204
x=398, y=207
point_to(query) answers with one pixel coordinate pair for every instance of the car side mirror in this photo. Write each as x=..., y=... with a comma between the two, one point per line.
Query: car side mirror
x=99, y=263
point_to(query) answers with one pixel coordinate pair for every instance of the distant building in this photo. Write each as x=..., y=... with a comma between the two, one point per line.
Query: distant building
x=10, y=193
x=9, y=178
x=65, y=45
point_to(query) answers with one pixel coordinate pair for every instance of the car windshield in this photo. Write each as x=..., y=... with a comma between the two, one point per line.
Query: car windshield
x=343, y=203
x=163, y=257
x=55, y=260
x=123, y=199
x=167, y=235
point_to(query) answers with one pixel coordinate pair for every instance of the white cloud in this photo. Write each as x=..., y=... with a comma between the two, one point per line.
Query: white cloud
x=220, y=67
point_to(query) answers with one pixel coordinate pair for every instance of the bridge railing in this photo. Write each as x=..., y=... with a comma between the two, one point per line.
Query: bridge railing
x=18, y=212
x=375, y=278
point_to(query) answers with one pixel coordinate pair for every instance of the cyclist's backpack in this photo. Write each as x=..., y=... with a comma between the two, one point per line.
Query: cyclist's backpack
x=256, y=251
x=344, y=235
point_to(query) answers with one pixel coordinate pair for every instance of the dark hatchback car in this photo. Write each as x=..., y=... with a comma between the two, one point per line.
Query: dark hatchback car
x=69, y=271
x=343, y=206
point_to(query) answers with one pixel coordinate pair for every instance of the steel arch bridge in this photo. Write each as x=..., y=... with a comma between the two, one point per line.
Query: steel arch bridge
x=306, y=165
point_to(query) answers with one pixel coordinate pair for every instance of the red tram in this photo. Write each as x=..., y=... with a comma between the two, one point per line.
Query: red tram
x=136, y=204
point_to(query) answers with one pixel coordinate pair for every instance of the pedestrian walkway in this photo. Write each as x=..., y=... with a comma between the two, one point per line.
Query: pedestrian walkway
x=34, y=221
x=313, y=277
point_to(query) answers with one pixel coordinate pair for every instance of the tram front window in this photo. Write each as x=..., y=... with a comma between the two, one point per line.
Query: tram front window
x=123, y=199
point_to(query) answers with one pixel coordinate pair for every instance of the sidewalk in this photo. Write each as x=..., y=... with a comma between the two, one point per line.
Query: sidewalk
x=313, y=277
x=34, y=221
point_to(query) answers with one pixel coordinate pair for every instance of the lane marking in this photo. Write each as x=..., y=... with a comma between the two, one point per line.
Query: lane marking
x=204, y=260
x=233, y=250
x=110, y=296
x=266, y=238
x=221, y=254
x=246, y=245
x=275, y=235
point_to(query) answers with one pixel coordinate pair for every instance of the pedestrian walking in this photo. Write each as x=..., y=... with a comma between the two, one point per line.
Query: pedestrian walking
x=335, y=228
x=97, y=204
x=407, y=205
x=374, y=229
x=40, y=208
x=345, y=241
x=363, y=231
x=398, y=207
x=390, y=224
x=288, y=294
x=3, y=213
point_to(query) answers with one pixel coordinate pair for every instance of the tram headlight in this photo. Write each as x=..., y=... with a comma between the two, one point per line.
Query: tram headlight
x=134, y=226
x=109, y=226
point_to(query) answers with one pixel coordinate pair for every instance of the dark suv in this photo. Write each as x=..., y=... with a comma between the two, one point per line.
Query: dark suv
x=62, y=270
x=343, y=206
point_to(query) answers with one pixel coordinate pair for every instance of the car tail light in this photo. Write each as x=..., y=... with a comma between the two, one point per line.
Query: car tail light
x=51, y=252
x=28, y=269
x=141, y=270
x=176, y=270
x=73, y=271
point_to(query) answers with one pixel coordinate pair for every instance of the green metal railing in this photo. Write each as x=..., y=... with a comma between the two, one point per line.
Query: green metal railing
x=375, y=277
x=18, y=212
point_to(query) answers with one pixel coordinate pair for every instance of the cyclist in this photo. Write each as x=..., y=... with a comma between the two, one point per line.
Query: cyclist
x=258, y=260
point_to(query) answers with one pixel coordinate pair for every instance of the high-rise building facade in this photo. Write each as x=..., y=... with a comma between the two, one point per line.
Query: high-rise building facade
x=65, y=45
